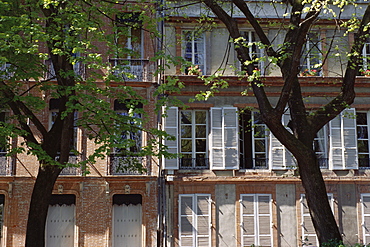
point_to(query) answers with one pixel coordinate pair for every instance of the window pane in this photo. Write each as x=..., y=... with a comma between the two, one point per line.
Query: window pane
x=185, y=117
x=200, y=117
x=186, y=131
x=186, y=145
x=259, y=146
x=200, y=131
x=201, y=145
x=363, y=146
x=362, y=132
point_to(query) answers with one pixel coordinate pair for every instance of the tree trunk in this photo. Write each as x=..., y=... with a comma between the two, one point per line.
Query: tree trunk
x=317, y=199
x=40, y=199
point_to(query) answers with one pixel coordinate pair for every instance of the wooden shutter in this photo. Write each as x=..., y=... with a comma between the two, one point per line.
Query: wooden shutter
x=231, y=138
x=365, y=206
x=216, y=144
x=343, y=141
x=224, y=152
x=60, y=226
x=256, y=219
x=194, y=220
x=170, y=126
x=127, y=225
x=279, y=157
x=308, y=231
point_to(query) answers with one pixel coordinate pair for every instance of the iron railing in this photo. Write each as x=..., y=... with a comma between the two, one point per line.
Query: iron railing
x=194, y=163
x=132, y=69
x=122, y=165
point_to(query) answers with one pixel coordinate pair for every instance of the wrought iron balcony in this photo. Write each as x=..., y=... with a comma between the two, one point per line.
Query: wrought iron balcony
x=78, y=68
x=120, y=165
x=71, y=170
x=132, y=69
x=194, y=163
x=5, y=166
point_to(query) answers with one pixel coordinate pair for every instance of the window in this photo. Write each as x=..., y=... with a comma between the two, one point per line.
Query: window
x=60, y=222
x=128, y=61
x=73, y=157
x=365, y=218
x=343, y=142
x=124, y=159
x=194, y=142
x=193, y=139
x=193, y=49
x=2, y=202
x=127, y=220
x=320, y=147
x=255, y=53
x=309, y=237
x=366, y=58
x=312, y=57
x=194, y=220
x=5, y=165
x=253, y=141
x=363, y=140
x=256, y=220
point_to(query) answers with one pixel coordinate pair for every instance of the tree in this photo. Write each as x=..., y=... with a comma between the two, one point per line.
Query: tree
x=70, y=35
x=304, y=123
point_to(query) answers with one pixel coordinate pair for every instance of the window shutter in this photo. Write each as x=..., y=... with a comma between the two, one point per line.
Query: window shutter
x=256, y=219
x=279, y=157
x=216, y=144
x=343, y=141
x=170, y=126
x=308, y=230
x=231, y=137
x=224, y=138
x=186, y=220
x=195, y=220
x=203, y=214
x=365, y=201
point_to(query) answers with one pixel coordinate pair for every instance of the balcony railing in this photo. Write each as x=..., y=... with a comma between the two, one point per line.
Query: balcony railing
x=132, y=69
x=78, y=68
x=120, y=165
x=5, y=168
x=194, y=163
x=71, y=170
x=5, y=71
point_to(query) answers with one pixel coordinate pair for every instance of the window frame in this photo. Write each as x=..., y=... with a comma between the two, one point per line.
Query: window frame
x=194, y=139
x=194, y=217
x=255, y=215
x=359, y=138
x=307, y=57
x=202, y=62
x=255, y=52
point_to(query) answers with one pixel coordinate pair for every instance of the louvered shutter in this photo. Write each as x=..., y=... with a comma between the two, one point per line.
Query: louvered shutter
x=279, y=157
x=256, y=219
x=203, y=220
x=216, y=144
x=224, y=138
x=127, y=225
x=231, y=138
x=195, y=220
x=308, y=230
x=60, y=226
x=186, y=221
x=365, y=201
x=247, y=209
x=343, y=141
x=170, y=124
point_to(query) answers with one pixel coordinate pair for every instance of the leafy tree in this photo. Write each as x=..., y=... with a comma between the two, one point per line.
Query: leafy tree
x=300, y=17
x=70, y=35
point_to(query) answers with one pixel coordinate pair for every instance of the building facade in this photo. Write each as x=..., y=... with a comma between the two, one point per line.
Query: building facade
x=234, y=184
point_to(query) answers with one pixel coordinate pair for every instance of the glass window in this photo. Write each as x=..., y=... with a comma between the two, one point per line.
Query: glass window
x=193, y=51
x=193, y=139
x=311, y=56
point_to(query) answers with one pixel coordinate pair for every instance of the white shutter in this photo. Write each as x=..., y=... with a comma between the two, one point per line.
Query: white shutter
x=365, y=218
x=309, y=237
x=216, y=144
x=231, y=138
x=256, y=219
x=194, y=220
x=279, y=156
x=343, y=141
x=127, y=225
x=170, y=126
x=60, y=226
x=224, y=152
